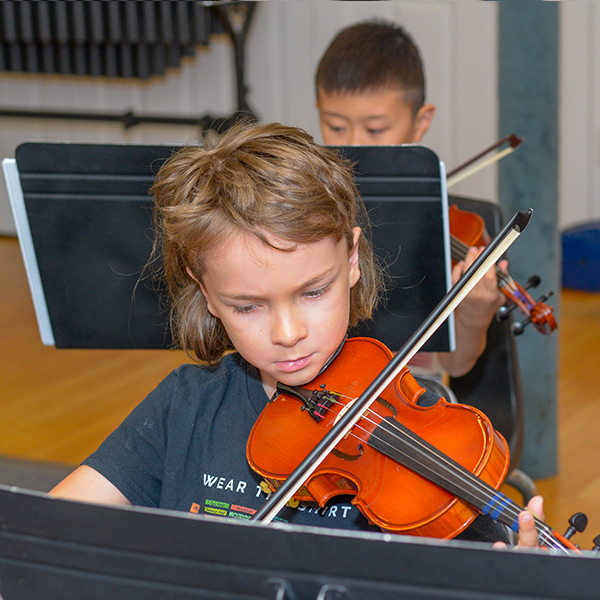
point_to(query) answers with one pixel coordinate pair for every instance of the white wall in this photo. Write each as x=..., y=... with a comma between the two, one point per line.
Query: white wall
x=458, y=40
x=579, y=183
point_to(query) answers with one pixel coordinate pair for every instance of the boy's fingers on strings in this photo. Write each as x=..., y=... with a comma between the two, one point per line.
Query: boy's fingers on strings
x=528, y=533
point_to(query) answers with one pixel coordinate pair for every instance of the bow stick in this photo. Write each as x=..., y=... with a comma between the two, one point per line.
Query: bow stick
x=462, y=172
x=490, y=255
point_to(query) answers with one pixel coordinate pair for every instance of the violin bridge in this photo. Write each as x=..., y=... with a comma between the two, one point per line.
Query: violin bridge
x=316, y=402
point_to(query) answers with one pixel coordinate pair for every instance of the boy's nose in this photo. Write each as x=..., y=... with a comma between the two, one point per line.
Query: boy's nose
x=287, y=328
x=356, y=137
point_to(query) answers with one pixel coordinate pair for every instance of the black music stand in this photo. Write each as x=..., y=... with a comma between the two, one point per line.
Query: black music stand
x=83, y=216
x=56, y=549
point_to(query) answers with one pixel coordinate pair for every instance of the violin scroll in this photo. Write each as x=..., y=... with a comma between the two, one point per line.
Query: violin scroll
x=535, y=311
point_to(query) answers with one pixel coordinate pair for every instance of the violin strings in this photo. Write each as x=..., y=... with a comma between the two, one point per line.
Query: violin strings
x=460, y=248
x=416, y=440
x=483, y=492
x=469, y=482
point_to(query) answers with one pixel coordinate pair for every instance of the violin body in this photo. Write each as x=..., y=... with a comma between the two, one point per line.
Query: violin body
x=390, y=494
x=468, y=227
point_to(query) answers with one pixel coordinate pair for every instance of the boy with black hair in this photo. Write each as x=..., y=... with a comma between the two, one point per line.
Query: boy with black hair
x=371, y=87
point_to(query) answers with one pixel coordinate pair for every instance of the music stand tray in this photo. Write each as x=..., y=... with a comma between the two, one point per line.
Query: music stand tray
x=58, y=549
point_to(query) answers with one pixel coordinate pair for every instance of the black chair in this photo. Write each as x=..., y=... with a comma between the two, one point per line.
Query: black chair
x=493, y=385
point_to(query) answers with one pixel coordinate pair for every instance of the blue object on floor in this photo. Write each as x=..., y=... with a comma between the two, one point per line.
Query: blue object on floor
x=581, y=257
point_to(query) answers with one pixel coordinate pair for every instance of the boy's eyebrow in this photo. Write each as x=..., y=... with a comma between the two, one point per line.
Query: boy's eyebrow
x=250, y=297
x=331, y=113
x=373, y=117
x=241, y=297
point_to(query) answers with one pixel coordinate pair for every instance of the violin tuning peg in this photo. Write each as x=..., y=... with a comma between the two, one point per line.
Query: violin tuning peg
x=533, y=281
x=577, y=524
x=502, y=313
x=545, y=297
x=518, y=328
x=596, y=541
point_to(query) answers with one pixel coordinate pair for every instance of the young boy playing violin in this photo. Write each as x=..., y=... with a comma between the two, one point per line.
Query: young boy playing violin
x=267, y=268
x=371, y=91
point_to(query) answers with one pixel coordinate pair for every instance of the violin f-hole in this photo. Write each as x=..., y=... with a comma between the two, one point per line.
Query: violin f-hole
x=350, y=457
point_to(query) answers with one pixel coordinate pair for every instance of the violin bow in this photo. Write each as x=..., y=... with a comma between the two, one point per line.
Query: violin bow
x=488, y=258
x=511, y=143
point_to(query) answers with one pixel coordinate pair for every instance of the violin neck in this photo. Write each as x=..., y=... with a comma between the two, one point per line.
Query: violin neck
x=459, y=252
x=405, y=447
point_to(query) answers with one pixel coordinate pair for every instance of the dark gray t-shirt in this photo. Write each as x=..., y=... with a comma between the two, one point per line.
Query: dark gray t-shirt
x=184, y=448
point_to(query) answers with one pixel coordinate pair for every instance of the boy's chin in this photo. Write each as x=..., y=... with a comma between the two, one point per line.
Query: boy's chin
x=300, y=379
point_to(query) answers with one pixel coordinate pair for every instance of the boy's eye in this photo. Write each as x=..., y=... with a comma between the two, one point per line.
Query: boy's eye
x=316, y=293
x=375, y=131
x=244, y=309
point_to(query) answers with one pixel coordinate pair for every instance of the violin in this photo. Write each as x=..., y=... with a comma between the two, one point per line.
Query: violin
x=310, y=439
x=467, y=229
x=423, y=471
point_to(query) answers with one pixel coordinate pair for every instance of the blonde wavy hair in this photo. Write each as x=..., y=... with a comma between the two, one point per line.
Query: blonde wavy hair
x=267, y=180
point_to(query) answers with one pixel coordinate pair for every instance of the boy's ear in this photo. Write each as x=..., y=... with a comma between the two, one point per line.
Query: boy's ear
x=189, y=272
x=208, y=304
x=317, y=93
x=423, y=121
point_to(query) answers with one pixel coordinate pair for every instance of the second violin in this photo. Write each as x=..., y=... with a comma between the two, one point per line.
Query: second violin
x=467, y=229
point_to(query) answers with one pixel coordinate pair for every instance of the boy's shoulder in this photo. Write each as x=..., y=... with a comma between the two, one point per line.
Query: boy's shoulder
x=193, y=390
x=232, y=374
x=232, y=366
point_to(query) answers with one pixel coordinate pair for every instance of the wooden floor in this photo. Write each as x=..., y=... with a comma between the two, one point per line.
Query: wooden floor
x=58, y=405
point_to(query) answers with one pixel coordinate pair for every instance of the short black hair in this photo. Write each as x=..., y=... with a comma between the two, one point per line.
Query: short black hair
x=370, y=56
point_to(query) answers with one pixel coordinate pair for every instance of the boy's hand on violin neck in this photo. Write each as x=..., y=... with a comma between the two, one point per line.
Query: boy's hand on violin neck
x=478, y=308
x=528, y=534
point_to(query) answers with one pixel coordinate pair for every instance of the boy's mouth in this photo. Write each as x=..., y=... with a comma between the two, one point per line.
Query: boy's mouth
x=290, y=366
